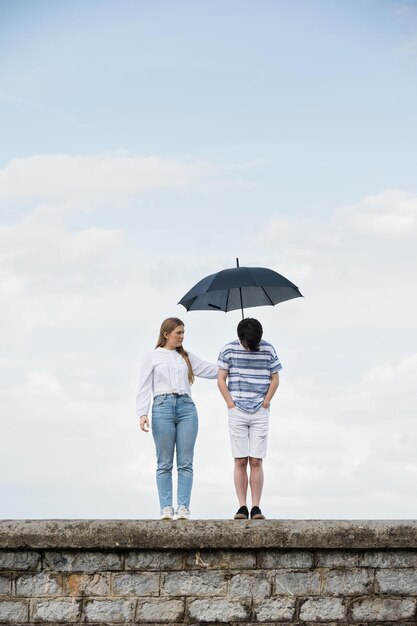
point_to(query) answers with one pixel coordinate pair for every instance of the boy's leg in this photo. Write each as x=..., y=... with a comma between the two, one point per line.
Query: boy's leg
x=239, y=432
x=241, y=480
x=256, y=480
x=258, y=441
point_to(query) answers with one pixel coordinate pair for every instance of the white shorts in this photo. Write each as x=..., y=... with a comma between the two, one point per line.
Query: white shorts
x=248, y=432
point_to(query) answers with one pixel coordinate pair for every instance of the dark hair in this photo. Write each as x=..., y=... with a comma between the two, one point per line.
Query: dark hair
x=250, y=333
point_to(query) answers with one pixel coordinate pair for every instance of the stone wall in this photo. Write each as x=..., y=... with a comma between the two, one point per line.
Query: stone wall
x=213, y=572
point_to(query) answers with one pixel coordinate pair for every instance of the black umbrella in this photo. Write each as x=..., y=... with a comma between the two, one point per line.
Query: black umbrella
x=239, y=287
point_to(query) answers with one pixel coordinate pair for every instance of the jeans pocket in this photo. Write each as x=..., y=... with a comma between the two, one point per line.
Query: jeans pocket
x=187, y=399
x=159, y=399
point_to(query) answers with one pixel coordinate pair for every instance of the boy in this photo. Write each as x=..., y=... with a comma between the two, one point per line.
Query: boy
x=250, y=366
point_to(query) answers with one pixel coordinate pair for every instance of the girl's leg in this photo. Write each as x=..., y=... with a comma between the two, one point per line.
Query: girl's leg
x=163, y=431
x=187, y=428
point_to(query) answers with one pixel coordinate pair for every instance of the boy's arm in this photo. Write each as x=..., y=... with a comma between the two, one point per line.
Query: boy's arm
x=273, y=386
x=221, y=383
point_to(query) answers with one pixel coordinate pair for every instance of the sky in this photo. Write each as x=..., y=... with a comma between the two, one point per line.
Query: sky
x=147, y=144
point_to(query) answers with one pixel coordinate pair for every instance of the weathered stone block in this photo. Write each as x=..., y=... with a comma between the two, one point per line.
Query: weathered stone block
x=56, y=610
x=353, y=582
x=19, y=560
x=384, y=609
x=112, y=582
x=13, y=611
x=297, y=583
x=4, y=585
x=337, y=558
x=83, y=561
x=41, y=584
x=254, y=585
x=221, y=559
x=295, y=559
x=402, y=581
x=194, y=584
x=389, y=558
x=86, y=585
x=109, y=611
x=217, y=611
x=154, y=560
x=275, y=609
x=136, y=584
x=160, y=611
x=322, y=609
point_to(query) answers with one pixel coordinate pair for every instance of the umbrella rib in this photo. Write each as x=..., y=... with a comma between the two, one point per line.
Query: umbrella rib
x=227, y=300
x=267, y=295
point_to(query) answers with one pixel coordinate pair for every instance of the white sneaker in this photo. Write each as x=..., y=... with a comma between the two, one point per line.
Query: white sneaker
x=167, y=513
x=182, y=513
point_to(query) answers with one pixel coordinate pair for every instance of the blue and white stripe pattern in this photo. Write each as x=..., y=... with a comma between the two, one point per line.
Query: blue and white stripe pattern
x=249, y=373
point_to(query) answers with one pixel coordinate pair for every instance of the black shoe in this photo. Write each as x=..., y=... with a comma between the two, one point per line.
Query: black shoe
x=242, y=513
x=256, y=513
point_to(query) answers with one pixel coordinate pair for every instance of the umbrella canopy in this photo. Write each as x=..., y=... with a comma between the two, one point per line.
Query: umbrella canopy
x=239, y=288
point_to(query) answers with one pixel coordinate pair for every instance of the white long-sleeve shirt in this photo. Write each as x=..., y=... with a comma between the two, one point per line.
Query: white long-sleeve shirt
x=165, y=371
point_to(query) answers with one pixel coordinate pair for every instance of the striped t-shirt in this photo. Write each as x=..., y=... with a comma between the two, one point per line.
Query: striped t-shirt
x=249, y=373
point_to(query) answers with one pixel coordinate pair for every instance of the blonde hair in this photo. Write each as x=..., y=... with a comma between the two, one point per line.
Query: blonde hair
x=168, y=326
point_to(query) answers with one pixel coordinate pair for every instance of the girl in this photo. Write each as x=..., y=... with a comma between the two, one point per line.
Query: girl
x=167, y=373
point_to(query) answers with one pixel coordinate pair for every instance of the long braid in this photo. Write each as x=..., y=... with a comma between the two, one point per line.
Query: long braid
x=186, y=358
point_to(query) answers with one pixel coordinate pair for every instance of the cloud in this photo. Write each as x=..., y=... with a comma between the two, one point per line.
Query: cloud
x=392, y=213
x=405, y=13
x=354, y=264
x=57, y=182
x=386, y=392
x=83, y=301
x=42, y=257
x=42, y=384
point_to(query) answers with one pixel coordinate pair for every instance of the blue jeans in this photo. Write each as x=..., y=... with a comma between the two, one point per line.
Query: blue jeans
x=174, y=425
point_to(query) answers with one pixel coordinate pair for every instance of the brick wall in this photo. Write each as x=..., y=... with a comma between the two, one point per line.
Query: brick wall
x=274, y=572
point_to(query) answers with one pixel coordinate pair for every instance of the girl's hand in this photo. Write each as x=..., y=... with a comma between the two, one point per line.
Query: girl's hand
x=144, y=423
x=266, y=405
